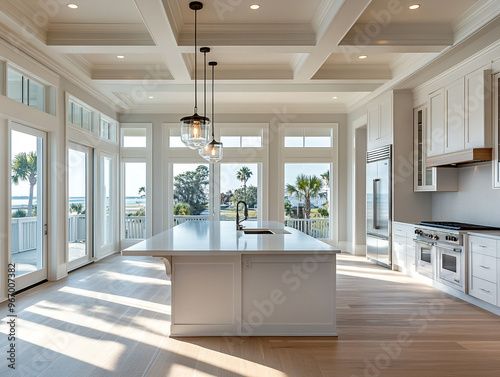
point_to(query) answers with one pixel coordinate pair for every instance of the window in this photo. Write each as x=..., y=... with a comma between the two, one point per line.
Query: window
x=308, y=138
x=191, y=192
x=239, y=182
x=241, y=137
x=80, y=116
x=107, y=129
x=174, y=140
x=25, y=90
x=106, y=201
x=135, y=200
x=134, y=138
x=307, y=198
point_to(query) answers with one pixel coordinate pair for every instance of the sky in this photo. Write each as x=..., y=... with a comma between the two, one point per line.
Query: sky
x=135, y=178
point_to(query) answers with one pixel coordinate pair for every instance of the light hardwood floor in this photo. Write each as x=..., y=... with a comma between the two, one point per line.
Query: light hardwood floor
x=112, y=319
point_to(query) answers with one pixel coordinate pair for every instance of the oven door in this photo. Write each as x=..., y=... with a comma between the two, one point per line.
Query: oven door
x=425, y=255
x=451, y=266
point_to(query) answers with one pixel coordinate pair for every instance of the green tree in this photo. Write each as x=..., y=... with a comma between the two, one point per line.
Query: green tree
x=19, y=213
x=288, y=208
x=191, y=188
x=142, y=192
x=182, y=209
x=326, y=178
x=244, y=175
x=24, y=168
x=323, y=212
x=307, y=186
x=251, y=196
x=77, y=208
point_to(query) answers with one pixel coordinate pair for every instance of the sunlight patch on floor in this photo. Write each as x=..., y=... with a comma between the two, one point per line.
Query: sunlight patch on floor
x=136, y=279
x=116, y=299
x=103, y=354
x=371, y=274
x=157, y=265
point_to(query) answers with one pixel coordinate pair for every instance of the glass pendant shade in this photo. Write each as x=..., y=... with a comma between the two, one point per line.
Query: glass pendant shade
x=195, y=131
x=212, y=152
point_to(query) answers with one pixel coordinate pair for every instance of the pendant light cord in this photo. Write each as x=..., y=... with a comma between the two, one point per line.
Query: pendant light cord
x=213, y=122
x=204, y=84
x=195, y=64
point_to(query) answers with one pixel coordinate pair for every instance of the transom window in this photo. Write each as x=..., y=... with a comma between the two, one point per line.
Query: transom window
x=241, y=137
x=25, y=90
x=308, y=138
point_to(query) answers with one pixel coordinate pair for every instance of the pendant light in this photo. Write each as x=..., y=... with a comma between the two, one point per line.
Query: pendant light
x=212, y=152
x=195, y=128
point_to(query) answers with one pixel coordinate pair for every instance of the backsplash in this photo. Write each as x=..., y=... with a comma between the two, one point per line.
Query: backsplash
x=476, y=201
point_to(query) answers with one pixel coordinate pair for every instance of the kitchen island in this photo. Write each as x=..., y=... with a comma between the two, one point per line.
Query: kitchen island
x=226, y=283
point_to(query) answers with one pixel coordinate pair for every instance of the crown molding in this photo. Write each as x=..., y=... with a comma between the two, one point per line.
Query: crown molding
x=477, y=16
x=22, y=13
x=174, y=15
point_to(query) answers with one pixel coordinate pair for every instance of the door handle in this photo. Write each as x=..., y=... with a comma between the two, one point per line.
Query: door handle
x=375, y=203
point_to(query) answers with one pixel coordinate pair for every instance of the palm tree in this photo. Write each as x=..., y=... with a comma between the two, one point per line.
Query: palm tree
x=326, y=178
x=244, y=175
x=24, y=168
x=307, y=186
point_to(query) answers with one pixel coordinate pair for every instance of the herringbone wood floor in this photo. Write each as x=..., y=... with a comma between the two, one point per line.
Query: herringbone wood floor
x=112, y=318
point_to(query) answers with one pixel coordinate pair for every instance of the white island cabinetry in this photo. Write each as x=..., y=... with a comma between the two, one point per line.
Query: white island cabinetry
x=225, y=282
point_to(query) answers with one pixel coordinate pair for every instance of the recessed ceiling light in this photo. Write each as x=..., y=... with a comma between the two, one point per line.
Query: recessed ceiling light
x=363, y=56
x=151, y=97
x=335, y=97
x=414, y=6
x=72, y=5
x=120, y=56
x=254, y=6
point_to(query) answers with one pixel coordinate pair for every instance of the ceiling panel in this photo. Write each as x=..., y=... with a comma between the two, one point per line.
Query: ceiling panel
x=94, y=11
x=387, y=58
x=430, y=11
x=130, y=58
x=270, y=11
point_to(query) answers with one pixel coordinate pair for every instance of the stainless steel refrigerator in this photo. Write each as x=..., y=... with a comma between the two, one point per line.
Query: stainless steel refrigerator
x=378, y=205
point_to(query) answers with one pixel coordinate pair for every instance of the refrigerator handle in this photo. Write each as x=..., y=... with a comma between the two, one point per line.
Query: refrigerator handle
x=375, y=204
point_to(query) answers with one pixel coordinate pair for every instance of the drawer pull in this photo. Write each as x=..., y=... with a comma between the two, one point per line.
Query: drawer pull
x=483, y=246
x=485, y=267
x=484, y=290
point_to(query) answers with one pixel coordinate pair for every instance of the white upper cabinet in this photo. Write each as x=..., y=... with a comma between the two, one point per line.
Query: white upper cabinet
x=435, y=126
x=455, y=116
x=380, y=120
x=460, y=115
x=477, y=109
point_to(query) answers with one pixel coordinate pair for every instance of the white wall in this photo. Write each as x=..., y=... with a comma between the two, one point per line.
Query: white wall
x=475, y=202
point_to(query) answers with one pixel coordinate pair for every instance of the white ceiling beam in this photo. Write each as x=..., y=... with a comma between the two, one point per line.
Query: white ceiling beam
x=105, y=49
x=155, y=18
x=130, y=72
x=342, y=21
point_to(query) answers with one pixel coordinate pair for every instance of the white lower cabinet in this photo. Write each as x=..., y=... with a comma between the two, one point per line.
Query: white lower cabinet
x=484, y=264
x=403, y=247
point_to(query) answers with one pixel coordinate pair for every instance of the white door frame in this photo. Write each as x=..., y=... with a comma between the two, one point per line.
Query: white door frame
x=37, y=276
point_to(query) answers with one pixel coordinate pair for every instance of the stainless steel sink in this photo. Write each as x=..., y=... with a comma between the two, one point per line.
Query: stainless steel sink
x=257, y=231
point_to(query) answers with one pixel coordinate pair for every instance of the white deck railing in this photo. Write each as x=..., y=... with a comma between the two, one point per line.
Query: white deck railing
x=317, y=228
x=24, y=232
x=135, y=227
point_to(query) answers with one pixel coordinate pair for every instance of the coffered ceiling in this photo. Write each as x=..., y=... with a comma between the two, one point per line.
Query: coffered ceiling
x=294, y=53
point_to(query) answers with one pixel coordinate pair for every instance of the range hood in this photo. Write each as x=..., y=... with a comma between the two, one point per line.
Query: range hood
x=460, y=158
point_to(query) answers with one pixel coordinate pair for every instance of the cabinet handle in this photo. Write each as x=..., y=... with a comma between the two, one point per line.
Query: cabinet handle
x=483, y=246
x=485, y=267
x=484, y=290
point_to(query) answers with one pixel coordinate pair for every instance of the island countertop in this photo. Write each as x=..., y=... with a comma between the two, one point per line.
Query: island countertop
x=222, y=238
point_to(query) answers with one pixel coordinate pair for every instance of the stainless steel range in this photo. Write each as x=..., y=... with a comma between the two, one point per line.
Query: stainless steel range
x=440, y=251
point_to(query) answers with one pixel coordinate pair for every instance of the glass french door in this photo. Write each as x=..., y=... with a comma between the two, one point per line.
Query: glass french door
x=28, y=249
x=80, y=206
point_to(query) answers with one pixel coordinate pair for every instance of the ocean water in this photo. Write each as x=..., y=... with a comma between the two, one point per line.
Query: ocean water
x=22, y=202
